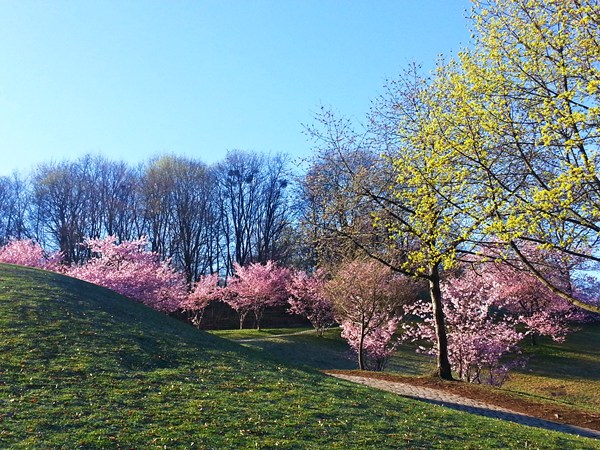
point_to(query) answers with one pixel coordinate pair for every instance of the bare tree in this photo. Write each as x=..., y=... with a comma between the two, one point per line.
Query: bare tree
x=254, y=207
x=14, y=208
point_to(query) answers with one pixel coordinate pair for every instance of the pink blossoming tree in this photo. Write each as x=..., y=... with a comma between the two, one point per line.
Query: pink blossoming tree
x=129, y=269
x=307, y=299
x=27, y=252
x=256, y=287
x=205, y=291
x=479, y=339
x=519, y=293
x=492, y=304
x=367, y=299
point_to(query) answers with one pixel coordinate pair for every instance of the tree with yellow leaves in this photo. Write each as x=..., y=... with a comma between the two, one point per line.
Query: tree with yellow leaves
x=415, y=195
x=533, y=79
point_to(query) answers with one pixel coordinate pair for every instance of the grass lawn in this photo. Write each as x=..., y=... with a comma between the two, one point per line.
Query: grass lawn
x=249, y=333
x=561, y=378
x=82, y=367
x=567, y=373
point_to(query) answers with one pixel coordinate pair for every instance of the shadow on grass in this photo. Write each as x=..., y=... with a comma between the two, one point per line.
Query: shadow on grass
x=307, y=351
x=332, y=352
x=576, y=358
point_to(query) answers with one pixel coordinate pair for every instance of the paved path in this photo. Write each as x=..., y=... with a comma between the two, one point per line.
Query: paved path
x=457, y=402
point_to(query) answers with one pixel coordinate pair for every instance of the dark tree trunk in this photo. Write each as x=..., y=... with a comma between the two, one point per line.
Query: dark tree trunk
x=361, y=362
x=443, y=364
x=533, y=337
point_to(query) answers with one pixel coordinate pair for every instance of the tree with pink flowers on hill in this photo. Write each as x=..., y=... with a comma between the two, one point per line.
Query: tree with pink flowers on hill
x=256, y=287
x=491, y=305
x=131, y=270
x=525, y=297
x=27, y=252
x=205, y=291
x=367, y=298
x=479, y=338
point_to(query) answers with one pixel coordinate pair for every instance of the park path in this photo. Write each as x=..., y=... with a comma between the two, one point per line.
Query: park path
x=273, y=336
x=459, y=403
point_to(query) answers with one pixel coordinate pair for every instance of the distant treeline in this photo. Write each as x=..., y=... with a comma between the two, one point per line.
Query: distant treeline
x=202, y=217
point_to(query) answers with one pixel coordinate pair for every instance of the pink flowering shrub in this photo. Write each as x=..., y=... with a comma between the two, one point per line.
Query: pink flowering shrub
x=129, y=269
x=485, y=304
x=307, y=299
x=205, y=291
x=27, y=252
x=529, y=302
x=518, y=292
x=256, y=287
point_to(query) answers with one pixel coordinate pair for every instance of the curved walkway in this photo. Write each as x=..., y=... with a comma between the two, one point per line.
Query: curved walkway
x=459, y=403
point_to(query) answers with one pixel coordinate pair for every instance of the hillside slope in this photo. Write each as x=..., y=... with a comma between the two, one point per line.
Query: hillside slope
x=82, y=367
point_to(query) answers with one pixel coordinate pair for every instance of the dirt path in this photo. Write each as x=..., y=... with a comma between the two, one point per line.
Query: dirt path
x=450, y=400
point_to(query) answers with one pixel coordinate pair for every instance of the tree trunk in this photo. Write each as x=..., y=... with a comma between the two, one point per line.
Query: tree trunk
x=242, y=317
x=443, y=364
x=258, y=318
x=361, y=363
x=533, y=336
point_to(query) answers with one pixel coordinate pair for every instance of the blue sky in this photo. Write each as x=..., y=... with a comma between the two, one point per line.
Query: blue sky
x=134, y=79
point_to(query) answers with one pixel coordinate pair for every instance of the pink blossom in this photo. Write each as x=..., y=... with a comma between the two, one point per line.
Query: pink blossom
x=256, y=287
x=307, y=299
x=27, y=252
x=130, y=270
x=205, y=291
x=487, y=301
x=367, y=299
x=479, y=340
x=379, y=344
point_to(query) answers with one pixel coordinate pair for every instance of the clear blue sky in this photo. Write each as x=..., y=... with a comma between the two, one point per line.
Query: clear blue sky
x=133, y=79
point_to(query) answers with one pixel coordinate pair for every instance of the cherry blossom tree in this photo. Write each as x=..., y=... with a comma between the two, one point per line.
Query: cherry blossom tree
x=479, y=338
x=256, y=287
x=530, y=302
x=24, y=252
x=367, y=298
x=307, y=299
x=378, y=343
x=205, y=291
x=27, y=252
x=129, y=269
x=492, y=303
x=524, y=296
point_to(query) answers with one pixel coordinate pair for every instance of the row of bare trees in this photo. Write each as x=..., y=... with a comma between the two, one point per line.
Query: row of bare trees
x=204, y=218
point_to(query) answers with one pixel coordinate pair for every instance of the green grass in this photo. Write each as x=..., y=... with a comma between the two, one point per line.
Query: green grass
x=567, y=373
x=563, y=373
x=327, y=352
x=82, y=367
x=251, y=333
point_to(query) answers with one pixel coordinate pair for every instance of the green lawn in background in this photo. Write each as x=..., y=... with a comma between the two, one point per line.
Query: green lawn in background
x=566, y=372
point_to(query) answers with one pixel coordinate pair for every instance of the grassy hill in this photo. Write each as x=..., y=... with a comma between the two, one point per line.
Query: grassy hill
x=82, y=367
